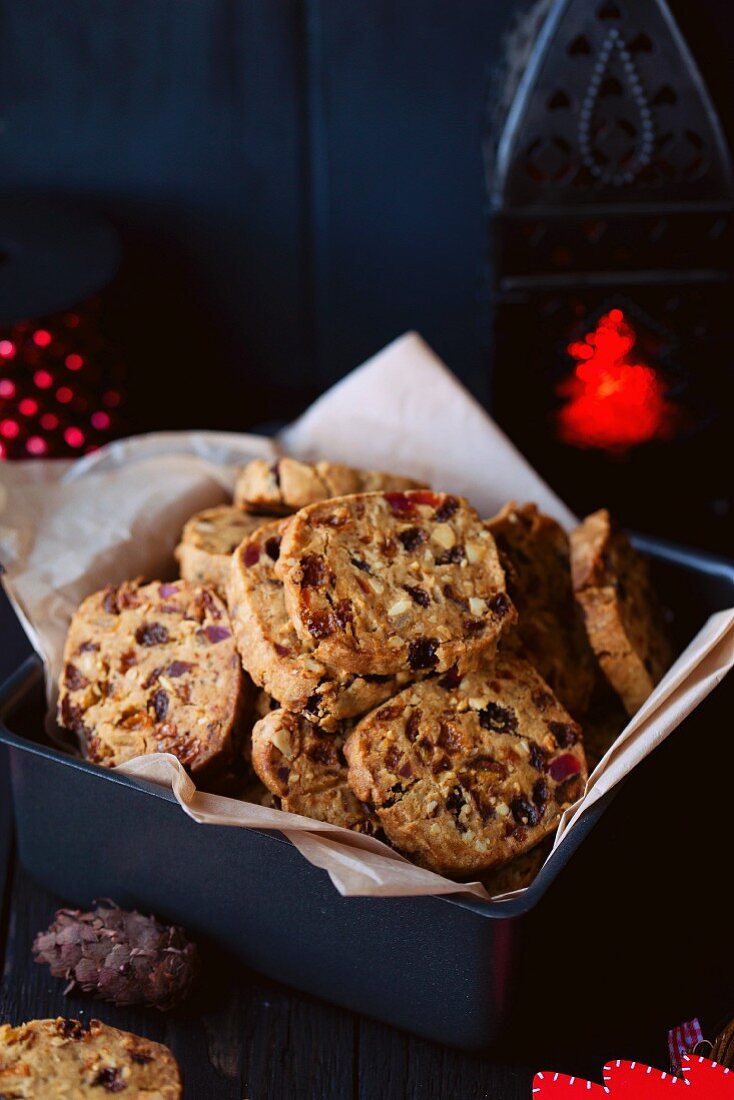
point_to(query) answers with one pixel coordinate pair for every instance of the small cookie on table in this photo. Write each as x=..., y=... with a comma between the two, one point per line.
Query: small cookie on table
x=623, y=618
x=153, y=668
x=382, y=583
x=208, y=541
x=467, y=772
x=63, y=1059
x=285, y=485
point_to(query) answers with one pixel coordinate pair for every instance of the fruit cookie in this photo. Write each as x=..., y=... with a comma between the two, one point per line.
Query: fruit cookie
x=535, y=553
x=304, y=767
x=284, y=486
x=208, y=541
x=153, y=668
x=66, y=1060
x=624, y=621
x=380, y=583
x=271, y=651
x=467, y=772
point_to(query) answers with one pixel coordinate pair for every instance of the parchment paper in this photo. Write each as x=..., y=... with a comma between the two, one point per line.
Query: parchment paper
x=69, y=528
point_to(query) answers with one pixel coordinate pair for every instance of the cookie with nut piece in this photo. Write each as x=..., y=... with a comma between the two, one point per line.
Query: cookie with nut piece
x=154, y=668
x=285, y=485
x=208, y=541
x=67, y=1060
x=624, y=620
x=535, y=552
x=379, y=583
x=467, y=772
x=276, y=658
x=304, y=767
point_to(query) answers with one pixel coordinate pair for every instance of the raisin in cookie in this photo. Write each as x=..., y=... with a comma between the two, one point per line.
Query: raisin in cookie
x=467, y=772
x=208, y=541
x=64, y=1060
x=624, y=621
x=284, y=486
x=535, y=553
x=273, y=654
x=383, y=582
x=304, y=767
x=154, y=668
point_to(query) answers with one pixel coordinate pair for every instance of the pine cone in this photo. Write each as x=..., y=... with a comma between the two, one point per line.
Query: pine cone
x=121, y=957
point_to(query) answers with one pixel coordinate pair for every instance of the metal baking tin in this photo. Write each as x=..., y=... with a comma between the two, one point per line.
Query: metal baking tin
x=446, y=968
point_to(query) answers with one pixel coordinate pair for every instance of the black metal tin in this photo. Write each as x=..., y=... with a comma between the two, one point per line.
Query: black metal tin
x=446, y=968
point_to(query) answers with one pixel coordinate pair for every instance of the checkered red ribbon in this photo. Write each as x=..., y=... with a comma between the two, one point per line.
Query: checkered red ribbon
x=683, y=1039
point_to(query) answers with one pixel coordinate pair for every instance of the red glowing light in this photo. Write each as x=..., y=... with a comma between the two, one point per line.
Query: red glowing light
x=9, y=429
x=43, y=379
x=64, y=395
x=613, y=402
x=100, y=421
x=41, y=338
x=7, y=388
x=7, y=349
x=49, y=421
x=36, y=445
x=74, y=361
x=28, y=407
x=2, y=450
x=74, y=437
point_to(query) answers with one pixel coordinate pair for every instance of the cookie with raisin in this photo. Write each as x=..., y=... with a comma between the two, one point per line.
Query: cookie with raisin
x=623, y=617
x=379, y=583
x=285, y=485
x=154, y=668
x=303, y=766
x=535, y=552
x=467, y=772
x=68, y=1060
x=271, y=650
x=208, y=541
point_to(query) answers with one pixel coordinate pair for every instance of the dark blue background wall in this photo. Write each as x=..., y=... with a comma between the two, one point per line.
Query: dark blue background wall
x=296, y=181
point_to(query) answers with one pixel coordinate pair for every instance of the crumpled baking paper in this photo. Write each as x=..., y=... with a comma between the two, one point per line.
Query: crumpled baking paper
x=69, y=528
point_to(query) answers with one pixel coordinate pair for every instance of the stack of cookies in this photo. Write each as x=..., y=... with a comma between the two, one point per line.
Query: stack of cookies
x=383, y=658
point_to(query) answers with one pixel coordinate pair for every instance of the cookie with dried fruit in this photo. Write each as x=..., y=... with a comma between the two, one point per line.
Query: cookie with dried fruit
x=535, y=551
x=624, y=620
x=304, y=767
x=153, y=668
x=67, y=1060
x=380, y=583
x=467, y=772
x=271, y=650
x=285, y=485
x=208, y=541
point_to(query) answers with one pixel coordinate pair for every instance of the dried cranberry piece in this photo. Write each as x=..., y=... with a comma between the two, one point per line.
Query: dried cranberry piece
x=393, y=756
x=565, y=733
x=524, y=812
x=359, y=564
x=450, y=680
x=251, y=555
x=74, y=678
x=151, y=678
x=71, y=715
x=412, y=538
x=272, y=548
x=89, y=647
x=422, y=653
x=400, y=503
x=282, y=650
x=406, y=771
x=110, y=1079
x=320, y=623
x=446, y=510
x=217, y=634
x=448, y=738
x=563, y=766
x=178, y=668
x=413, y=725
x=426, y=496
x=417, y=594
x=500, y=604
x=159, y=702
x=313, y=571
x=498, y=718
x=166, y=590
x=150, y=634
